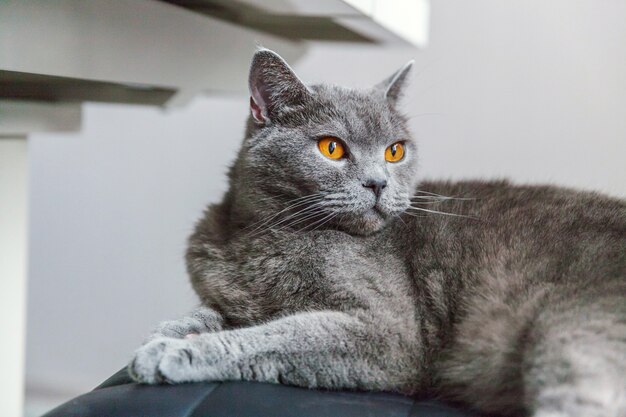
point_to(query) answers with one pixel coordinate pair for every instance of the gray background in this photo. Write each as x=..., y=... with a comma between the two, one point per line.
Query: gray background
x=530, y=90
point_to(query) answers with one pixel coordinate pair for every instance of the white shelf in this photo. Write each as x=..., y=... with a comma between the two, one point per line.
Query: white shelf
x=182, y=46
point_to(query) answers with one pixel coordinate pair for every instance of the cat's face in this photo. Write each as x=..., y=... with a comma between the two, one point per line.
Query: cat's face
x=325, y=156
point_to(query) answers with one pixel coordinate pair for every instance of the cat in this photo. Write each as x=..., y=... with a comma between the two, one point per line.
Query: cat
x=327, y=265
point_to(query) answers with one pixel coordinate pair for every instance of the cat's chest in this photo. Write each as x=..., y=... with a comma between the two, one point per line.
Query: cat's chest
x=327, y=270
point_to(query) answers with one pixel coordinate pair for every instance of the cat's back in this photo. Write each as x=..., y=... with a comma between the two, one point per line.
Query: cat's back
x=502, y=200
x=470, y=225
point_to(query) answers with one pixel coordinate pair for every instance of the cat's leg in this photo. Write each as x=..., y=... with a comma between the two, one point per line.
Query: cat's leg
x=542, y=355
x=317, y=349
x=576, y=366
x=201, y=320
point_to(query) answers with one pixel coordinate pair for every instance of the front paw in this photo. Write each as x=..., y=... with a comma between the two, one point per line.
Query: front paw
x=168, y=360
x=201, y=321
x=145, y=367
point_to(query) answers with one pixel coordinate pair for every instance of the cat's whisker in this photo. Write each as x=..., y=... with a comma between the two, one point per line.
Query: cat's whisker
x=340, y=208
x=289, y=203
x=323, y=221
x=428, y=197
x=445, y=197
x=440, y=212
x=334, y=195
x=334, y=201
x=343, y=217
x=429, y=193
x=414, y=215
x=302, y=201
x=314, y=208
x=276, y=221
x=399, y=216
x=307, y=216
x=266, y=198
x=428, y=202
x=306, y=220
x=442, y=198
x=277, y=198
x=284, y=222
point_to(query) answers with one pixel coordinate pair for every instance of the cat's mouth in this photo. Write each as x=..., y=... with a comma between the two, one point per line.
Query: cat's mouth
x=371, y=221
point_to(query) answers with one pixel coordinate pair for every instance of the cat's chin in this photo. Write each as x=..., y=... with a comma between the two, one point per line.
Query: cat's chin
x=366, y=224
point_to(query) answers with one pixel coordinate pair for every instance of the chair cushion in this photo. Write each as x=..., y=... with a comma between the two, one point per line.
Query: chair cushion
x=119, y=396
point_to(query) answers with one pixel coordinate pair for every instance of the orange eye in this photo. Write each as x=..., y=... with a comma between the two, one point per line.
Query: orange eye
x=395, y=152
x=331, y=148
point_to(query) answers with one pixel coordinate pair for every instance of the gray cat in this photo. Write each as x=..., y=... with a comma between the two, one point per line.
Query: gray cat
x=327, y=266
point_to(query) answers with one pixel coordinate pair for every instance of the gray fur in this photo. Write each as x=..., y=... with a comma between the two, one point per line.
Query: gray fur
x=513, y=305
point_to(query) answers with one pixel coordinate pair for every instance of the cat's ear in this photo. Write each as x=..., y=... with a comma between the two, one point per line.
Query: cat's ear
x=393, y=86
x=274, y=87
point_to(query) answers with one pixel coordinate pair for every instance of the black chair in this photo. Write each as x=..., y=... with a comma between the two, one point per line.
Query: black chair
x=119, y=396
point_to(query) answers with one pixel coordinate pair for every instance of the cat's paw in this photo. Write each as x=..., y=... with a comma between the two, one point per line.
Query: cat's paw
x=168, y=360
x=201, y=321
x=145, y=365
x=178, y=329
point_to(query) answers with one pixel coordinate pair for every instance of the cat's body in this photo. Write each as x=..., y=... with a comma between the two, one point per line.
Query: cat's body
x=515, y=304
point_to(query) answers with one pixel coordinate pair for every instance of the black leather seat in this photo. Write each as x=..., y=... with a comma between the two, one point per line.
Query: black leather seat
x=119, y=396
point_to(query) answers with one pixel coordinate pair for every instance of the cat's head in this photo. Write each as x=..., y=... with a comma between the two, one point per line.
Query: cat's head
x=322, y=156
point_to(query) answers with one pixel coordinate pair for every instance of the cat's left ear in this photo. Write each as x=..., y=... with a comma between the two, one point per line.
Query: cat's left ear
x=393, y=86
x=274, y=87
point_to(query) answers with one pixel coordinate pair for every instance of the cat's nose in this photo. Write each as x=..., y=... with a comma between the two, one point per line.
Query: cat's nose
x=376, y=185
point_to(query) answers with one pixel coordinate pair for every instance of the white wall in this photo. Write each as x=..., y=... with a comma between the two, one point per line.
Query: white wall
x=111, y=209
x=531, y=90
x=528, y=89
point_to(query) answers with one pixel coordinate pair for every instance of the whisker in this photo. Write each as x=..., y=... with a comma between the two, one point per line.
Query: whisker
x=309, y=211
x=307, y=216
x=440, y=198
x=292, y=216
x=399, y=216
x=266, y=198
x=302, y=201
x=323, y=221
x=445, y=197
x=343, y=217
x=429, y=193
x=305, y=225
x=429, y=202
x=278, y=197
x=440, y=212
x=428, y=197
x=414, y=215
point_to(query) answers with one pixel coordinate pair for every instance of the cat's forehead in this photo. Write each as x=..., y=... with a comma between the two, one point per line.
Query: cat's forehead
x=355, y=115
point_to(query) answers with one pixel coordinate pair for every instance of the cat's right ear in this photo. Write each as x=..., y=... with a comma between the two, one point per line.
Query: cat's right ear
x=274, y=87
x=393, y=86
